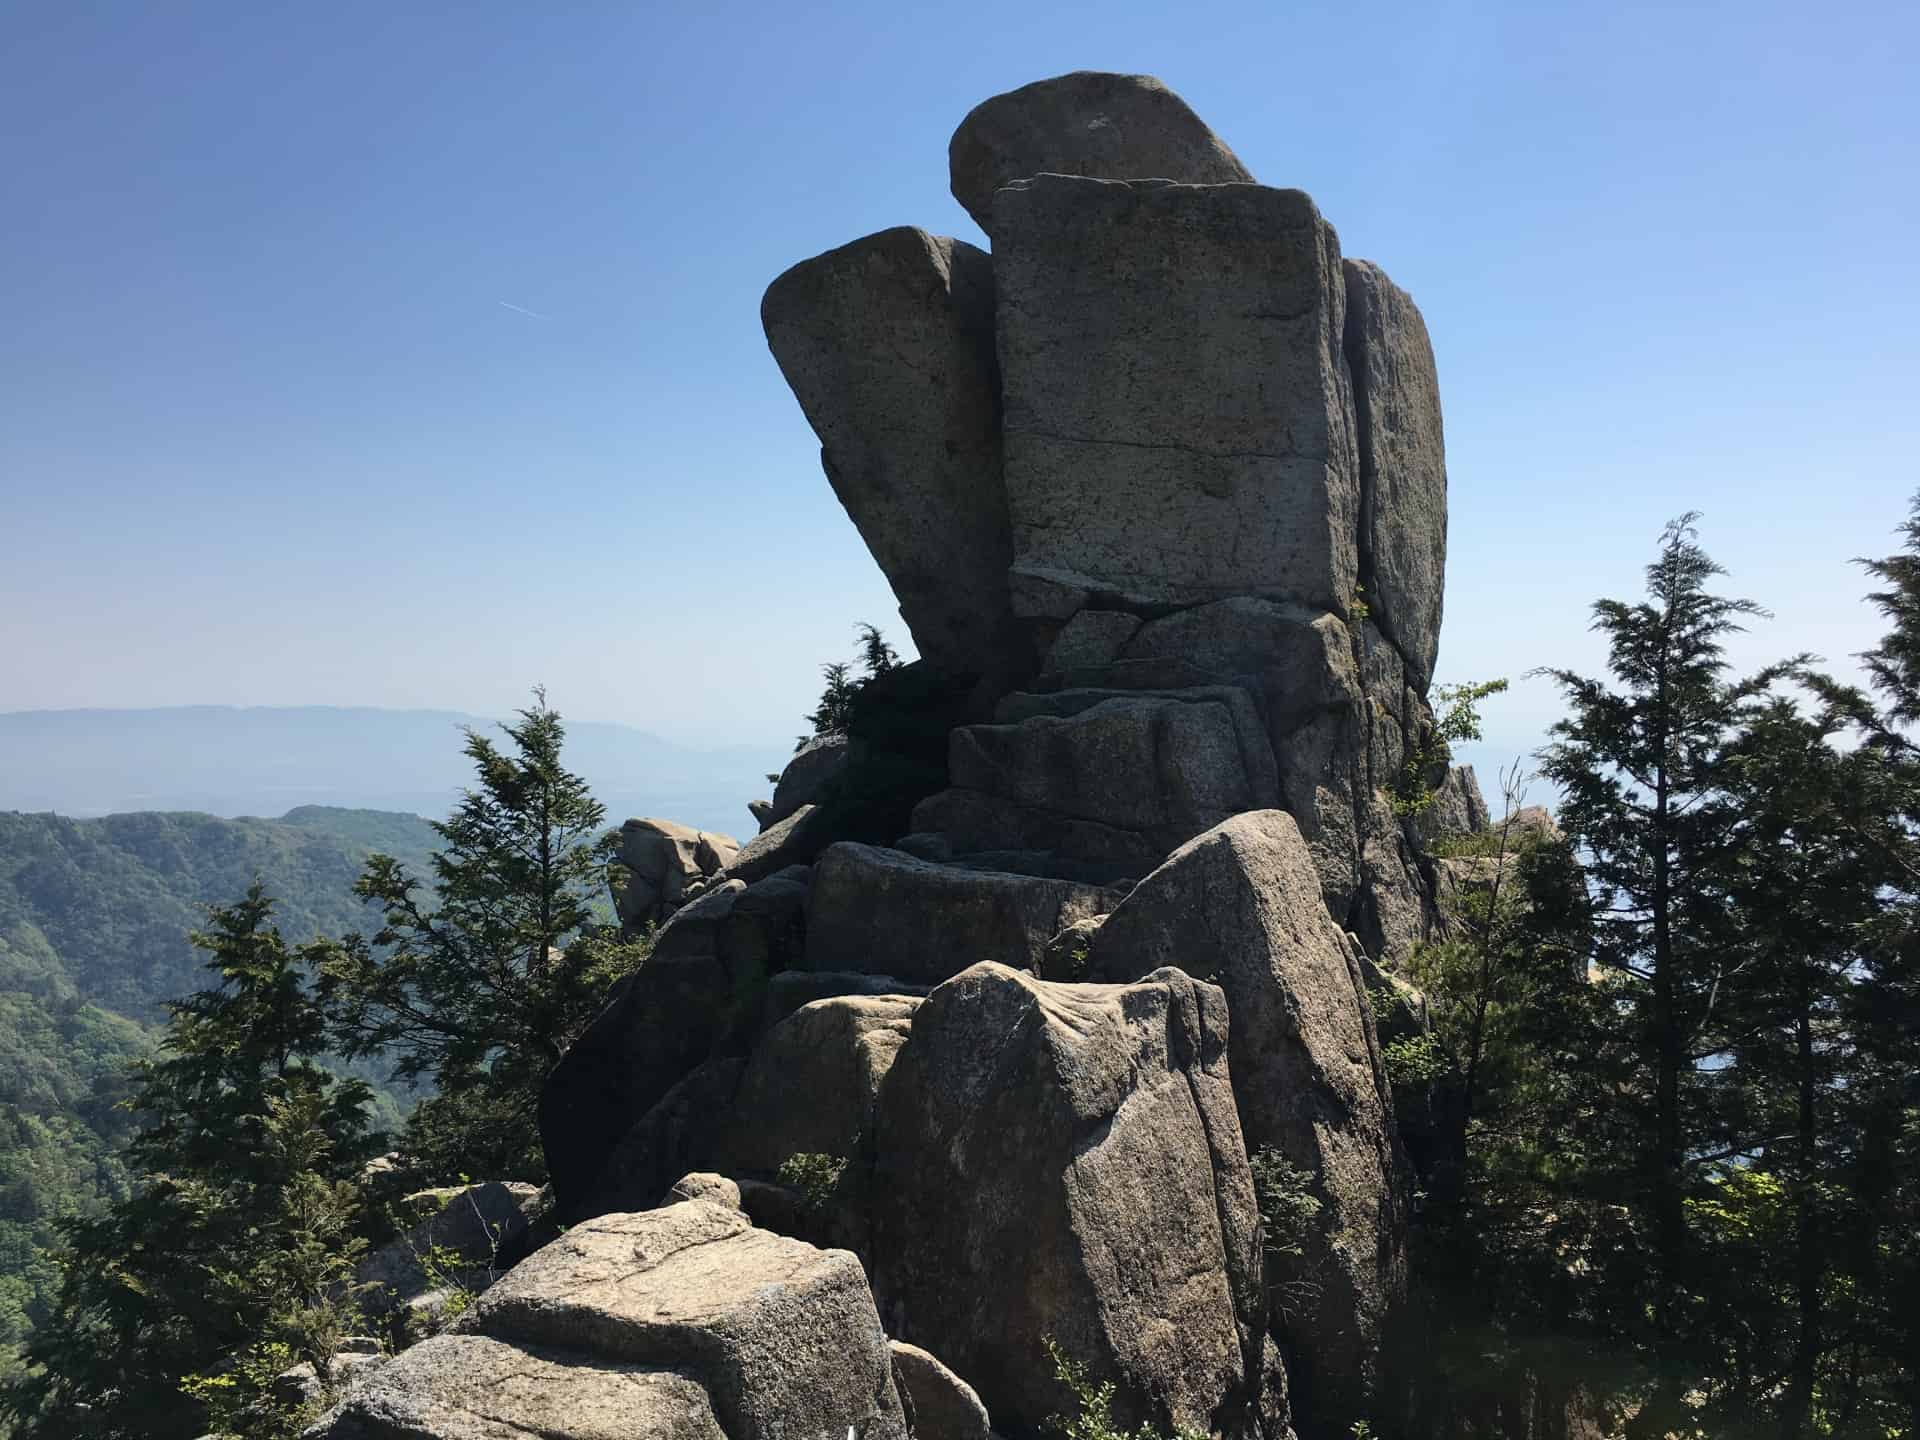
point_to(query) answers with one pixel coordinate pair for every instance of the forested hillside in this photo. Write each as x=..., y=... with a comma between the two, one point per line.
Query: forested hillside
x=116, y=897
x=94, y=920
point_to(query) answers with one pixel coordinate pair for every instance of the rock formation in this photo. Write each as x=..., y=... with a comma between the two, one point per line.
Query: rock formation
x=1019, y=975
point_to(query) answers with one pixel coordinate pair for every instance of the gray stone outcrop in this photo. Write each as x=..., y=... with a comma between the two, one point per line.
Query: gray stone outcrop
x=473, y=1387
x=680, y=1322
x=815, y=766
x=1178, y=420
x=939, y=1404
x=888, y=344
x=1403, y=464
x=1240, y=907
x=1065, y=1161
x=783, y=1338
x=1115, y=127
x=660, y=861
x=868, y=910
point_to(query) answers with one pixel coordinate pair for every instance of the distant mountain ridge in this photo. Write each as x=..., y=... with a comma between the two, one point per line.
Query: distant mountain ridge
x=267, y=760
x=113, y=898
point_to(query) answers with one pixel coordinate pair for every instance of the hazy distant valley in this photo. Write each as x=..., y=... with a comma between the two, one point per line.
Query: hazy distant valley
x=266, y=761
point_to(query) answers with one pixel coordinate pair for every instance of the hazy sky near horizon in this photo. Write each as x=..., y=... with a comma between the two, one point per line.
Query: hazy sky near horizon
x=408, y=354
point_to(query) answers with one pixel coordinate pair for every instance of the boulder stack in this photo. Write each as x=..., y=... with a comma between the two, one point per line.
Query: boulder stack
x=1160, y=487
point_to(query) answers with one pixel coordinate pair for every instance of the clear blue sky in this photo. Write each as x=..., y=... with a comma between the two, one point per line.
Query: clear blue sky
x=276, y=428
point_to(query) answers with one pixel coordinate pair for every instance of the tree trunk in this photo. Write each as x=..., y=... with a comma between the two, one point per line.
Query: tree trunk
x=1798, y=1400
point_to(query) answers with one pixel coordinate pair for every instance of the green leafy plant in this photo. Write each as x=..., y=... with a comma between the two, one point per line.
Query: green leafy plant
x=815, y=1176
x=1456, y=719
x=1288, y=1207
x=1093, y=1405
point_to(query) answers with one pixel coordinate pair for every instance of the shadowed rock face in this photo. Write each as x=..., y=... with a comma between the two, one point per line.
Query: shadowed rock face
x=1065, y=1161
x=1178, y=423
x=1113, y=127
x=888, y=345
x=1240, y=907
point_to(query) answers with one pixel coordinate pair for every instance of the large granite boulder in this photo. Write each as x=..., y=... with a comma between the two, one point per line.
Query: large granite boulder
x=939, y=1404
x=1064, y=1161
x=1178, y=422
x=814, y=767
x=473, y=1387
x=1240, y=907
x=674, y=1136
x=784, y=1338
x=699, y=994
x=869, y=910
x=1115, y=127
x=888, y=345
x=678, y=1322
x=1301, y=664
x=812, y=1085
x=659, y=860
x=1403, y=464
x=468, y=1225
x=1119, y=777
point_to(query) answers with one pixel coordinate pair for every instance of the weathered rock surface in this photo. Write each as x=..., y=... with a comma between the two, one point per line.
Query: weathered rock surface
x=1114, y=127
x=1091, y=637
x=1301, y=663
x=888, y=345
x=791, y=989
x=473, y=1387
x=664, y=1019
x=1457, y=811
x=661, y=859
x=1065, y=1161
x=674, y=1137
x=1103, y=776
x=473, y=1222
x=783, y=845
x=1178, y=421
x=706, y=1185
x=783, y=1338
x=869, y=908
x=1240, y=907
x=939, y=1404
x=816, y=765
x=1403, y=464
x=813, y=1084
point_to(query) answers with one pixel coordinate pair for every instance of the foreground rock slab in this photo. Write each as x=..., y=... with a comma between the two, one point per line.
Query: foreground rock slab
x=1240, y=907
x=783, y=1338
x=472, y=1387
x=1112, y=127
x=1064, y=1161
x=888, y=345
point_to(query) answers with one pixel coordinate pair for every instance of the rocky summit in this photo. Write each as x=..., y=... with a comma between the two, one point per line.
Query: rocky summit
x=964, y=1078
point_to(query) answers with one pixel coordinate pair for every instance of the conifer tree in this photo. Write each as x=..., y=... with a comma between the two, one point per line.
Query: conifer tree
x=226, y=1258
x=481, y=977
x=1642, y=765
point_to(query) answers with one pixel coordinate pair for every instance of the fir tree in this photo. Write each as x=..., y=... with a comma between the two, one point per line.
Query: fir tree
x=1642, y=764
x=213, y=1258
x=480, y=980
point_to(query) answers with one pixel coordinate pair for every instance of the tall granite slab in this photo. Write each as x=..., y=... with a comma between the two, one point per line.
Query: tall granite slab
x=1403, y=465
x=1177, y=415
x=888, y=345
